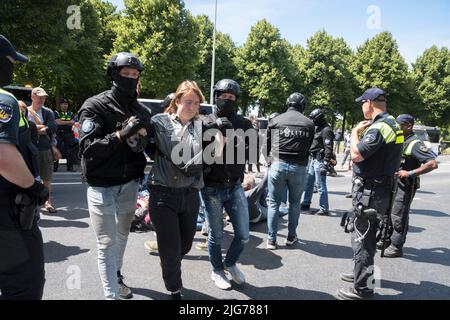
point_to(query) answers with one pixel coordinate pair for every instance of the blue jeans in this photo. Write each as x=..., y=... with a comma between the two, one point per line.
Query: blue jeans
x=235, y=203
x=282, y=175
x=111, y=210
x=314, y=175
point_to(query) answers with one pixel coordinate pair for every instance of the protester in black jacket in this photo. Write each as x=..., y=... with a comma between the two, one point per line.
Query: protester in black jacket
x=289, y=138
x=223, y=186
x=321, y=157
x=113, y=137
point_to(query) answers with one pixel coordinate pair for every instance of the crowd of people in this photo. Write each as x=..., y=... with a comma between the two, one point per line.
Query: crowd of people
x=199, y=165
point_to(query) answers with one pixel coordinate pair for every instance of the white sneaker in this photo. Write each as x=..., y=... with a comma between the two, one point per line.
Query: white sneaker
x=236, y=274
x=221, y=280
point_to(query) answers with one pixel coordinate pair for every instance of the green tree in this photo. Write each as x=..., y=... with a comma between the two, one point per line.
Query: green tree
x=225, y=52
x=325, y=68
x=266, y=70
x=65, y=58
x=431, y=76
x=378, y=63
x=162, y=33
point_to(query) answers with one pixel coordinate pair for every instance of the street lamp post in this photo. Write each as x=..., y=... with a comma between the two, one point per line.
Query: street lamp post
x=211, y=100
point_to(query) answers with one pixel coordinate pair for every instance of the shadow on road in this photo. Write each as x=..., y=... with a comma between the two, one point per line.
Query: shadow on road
x=413, y=229
x=326, y=250
x=281, y=293
x=56, y=252
x=44, y=223
x=430, y=255
x=188, y=294
x=425, y=192
x=432, y=213
x=424, y=290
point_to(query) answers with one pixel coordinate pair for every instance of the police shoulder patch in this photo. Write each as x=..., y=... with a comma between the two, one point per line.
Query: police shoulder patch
x=6, y=113
x=369, y=138
x=327, y=141
x=88, y=126
x=423, y=147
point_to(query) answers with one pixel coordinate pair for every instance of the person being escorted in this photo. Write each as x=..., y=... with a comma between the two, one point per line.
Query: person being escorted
x=321, y=157
x=223, y=187
x=175, y=180
x=289, y=138
x=113, y=136
x=22, y=273
x=65, y=119
x=376, y=157
x=417, y=160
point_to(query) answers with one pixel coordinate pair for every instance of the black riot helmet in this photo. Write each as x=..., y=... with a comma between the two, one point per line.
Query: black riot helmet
x=296, y=100
x=318, y=117
x=123, y=59
x=227, y=86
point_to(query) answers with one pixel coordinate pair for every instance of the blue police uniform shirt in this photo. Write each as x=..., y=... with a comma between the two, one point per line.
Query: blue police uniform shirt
x=9, y=118
x=9, y=130
x=381, y=158
x=419, y=154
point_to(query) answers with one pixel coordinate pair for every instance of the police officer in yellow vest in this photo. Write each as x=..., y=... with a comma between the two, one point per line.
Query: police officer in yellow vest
x=376, y=157
x=21, y=246
x=417, y=159
x=65, y=119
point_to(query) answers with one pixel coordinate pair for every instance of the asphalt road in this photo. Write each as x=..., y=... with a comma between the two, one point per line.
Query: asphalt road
x=309, y=270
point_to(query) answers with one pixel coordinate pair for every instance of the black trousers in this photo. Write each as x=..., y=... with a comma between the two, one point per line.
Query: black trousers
x=173, y=213
x=400, y=212
x=364, y=250
x=66, y=144
x=22, y=273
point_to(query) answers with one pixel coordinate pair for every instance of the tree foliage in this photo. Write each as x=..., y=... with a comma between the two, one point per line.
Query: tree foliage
x=431, y=76
x=225, y=52
x=162, y=33
x=378, y=63
x=266, y=70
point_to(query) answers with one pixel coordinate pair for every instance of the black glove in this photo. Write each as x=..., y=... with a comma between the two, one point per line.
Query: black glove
x=223, y=123
x=39, y=192
x=131, y=127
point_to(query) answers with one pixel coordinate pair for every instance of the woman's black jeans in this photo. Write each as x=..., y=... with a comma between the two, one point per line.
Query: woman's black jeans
x=173, y=212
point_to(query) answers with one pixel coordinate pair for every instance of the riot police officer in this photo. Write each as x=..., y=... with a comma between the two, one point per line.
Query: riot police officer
x=376, y=158
x=65, y=119
x=223, y=187
x=22, y=274
x=113, y=136
x=321, y=158
x=289, y=137
x=417, y=160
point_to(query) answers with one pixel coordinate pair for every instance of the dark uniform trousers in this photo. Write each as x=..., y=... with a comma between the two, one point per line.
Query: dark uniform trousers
x=22, y=273
x=66, y=144
x=400, y=211
x=364, y=251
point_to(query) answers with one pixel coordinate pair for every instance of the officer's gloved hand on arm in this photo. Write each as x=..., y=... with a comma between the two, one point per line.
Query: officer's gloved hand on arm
x=39, y=192
x=224, y=124
x=131, y=127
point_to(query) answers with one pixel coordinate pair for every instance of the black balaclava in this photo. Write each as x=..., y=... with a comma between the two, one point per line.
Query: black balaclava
x=6, y=71
x=127, y=86
x=225, y=107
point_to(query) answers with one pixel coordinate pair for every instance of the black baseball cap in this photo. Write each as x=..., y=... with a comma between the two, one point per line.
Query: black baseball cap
x=373, y=94
x=405, y=119
x=7, y=49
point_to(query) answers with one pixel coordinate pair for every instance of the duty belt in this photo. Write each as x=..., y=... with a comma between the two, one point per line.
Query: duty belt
x=375, y=182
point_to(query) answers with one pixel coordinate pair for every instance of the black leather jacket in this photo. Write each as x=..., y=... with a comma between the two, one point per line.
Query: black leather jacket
x=107, y=161
x=289, y=137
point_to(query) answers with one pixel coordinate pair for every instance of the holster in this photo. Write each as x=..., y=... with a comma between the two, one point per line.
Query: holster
x=25, y=209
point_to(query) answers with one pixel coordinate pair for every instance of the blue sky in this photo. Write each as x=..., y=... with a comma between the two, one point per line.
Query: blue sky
x=416, y=25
